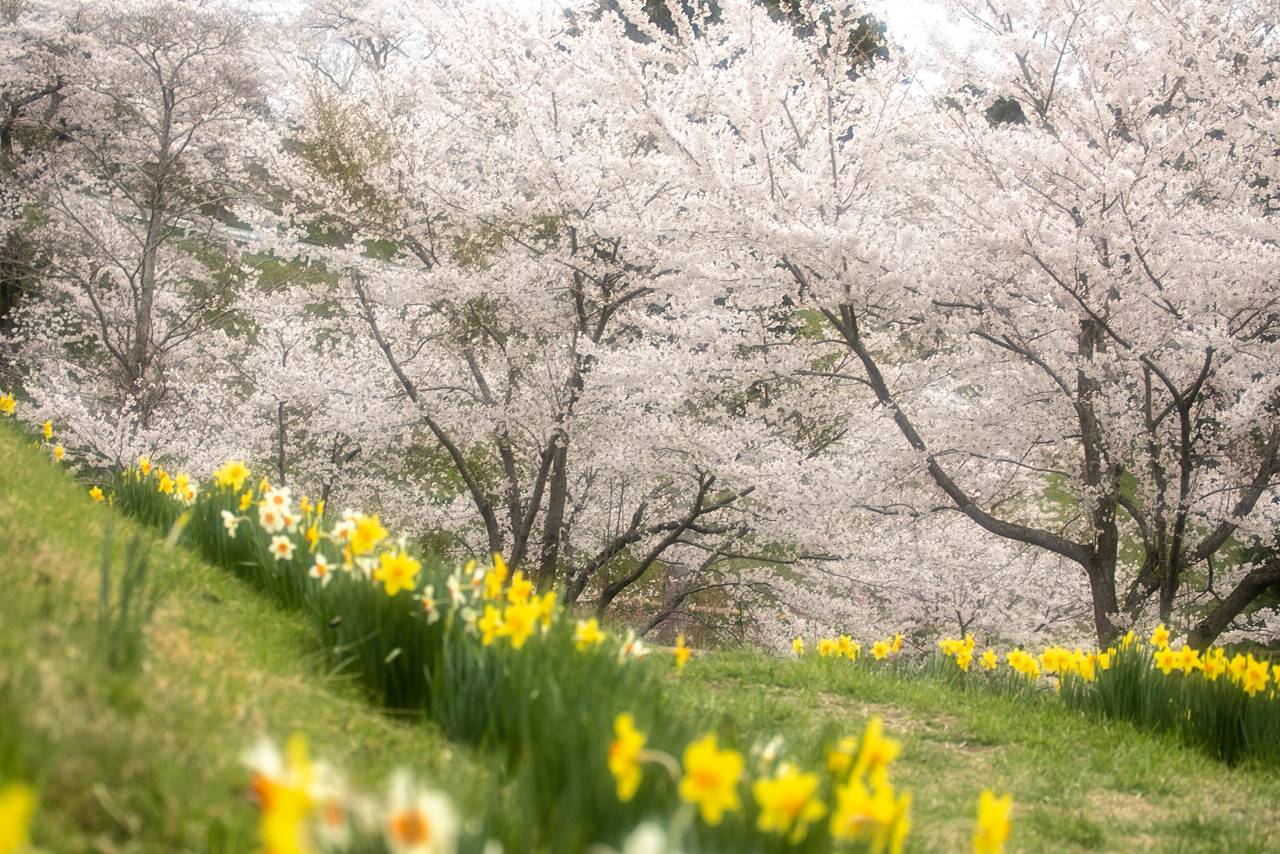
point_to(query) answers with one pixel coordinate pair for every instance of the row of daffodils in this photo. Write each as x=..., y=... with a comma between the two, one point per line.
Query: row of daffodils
x=1225, y=702
x=361, y=581
x=306, y=806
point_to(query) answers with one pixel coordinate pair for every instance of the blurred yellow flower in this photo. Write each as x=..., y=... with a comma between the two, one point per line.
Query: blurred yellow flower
x=17, y=807
x=871, y=815
x=587, y=634
x=46, y=430
x=993, y=827
x=96, y=494
x=1213, y=664
x=397, y=571
x=827, y=647
x=165, y=485
x=840, y=756
x=367, y=534
x=489, y=625
x=546, y=608
x=624, y=756
x=246, y=501
x=988, y=661
x=788, y=803
x=232, y=474
x=681, y=652
x=144, y=465
x=797, y=646
x=520, y=590
x=1160, y=637
x=59, y=452
x=1189, y=659
x=880, y=650
x=1255, y=676
x=877, y=752
x=710, y=778
x=1167, y=660
x=518, y=623
x=7, y=404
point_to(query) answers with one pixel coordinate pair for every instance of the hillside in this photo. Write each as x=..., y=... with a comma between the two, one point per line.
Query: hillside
x=151, y=761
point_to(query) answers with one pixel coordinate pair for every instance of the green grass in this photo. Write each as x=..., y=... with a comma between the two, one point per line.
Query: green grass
x=1079, y=784
x=152, y=762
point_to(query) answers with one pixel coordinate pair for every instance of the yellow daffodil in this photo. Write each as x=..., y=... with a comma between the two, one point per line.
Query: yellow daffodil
x=17, y=807
x=520, y=589
x=828, y=647
x=144, y=465
x=489, y=624
x=624, y=756
x=96, y=494
x=1213, y=664
x=840, y=756
x=1024, y=663
x=1255, y=677
x=232, y=475
x=367, y=534
x=681, y=652
x=7, y=404
x=587, y=634
x=1167, y=660
x=518, y=623
x=988, y=661
x=246, y=501
x=993, y=826
x=880, y=650
x=1189, y=659
x=871, y=814
x=1160, y=637
x=877, y=752
x=788, y=803
x=165, y=485
x=59, y=452
x=546, y=609
x=397, y=571
x=896, y=646
x=710, y=779
x=797, y=647
x=46, y=430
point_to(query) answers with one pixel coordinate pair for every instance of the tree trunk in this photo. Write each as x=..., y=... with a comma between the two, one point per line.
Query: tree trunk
x=1250, y=587
x=550, y=554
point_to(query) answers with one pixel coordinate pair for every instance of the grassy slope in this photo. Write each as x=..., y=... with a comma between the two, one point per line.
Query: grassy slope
x=1078, y=784
x=152, y=764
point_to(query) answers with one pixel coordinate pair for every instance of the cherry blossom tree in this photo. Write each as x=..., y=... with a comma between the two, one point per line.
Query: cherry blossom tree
x=1069, y=320
x=160, y=128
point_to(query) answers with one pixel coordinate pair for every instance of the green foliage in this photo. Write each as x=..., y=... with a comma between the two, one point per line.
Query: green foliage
x=1215, y=716
x=123, y=616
